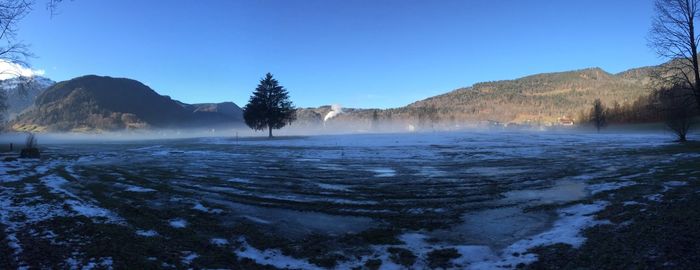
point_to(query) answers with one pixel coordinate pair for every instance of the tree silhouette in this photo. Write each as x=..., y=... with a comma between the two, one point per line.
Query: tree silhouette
x=269, y=106
x=676, y=109
x=673, y=36
x=598, y=114
x=375, y=120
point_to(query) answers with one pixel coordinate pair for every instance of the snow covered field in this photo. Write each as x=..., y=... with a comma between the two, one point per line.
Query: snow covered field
x=392, y=201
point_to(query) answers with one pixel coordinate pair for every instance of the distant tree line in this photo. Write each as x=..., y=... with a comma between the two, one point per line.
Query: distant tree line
x=674, y=106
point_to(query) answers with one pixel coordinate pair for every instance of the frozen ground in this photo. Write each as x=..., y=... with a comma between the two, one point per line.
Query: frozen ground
x=451, y=200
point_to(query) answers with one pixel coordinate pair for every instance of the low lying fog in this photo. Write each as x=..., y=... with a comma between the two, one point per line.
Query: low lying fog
x=329, y=128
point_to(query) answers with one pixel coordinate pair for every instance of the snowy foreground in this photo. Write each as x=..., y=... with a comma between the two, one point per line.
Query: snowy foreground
x=410, y=201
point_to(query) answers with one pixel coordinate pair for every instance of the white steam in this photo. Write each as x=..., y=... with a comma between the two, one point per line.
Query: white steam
x=336, y=109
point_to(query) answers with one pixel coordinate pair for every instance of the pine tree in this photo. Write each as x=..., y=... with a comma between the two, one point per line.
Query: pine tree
x=269, y=106
x=598, y=114
x=375, y=119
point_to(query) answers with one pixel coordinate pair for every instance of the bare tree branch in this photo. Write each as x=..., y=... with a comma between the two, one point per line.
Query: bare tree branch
x=673, y=36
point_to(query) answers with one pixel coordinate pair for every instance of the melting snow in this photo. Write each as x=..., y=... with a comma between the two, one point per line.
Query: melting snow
x=597, y=188
x=272, y=257
x=565, y=230
x=90, y=210
x=148, y=233
x=200, y=207
x=239, y=180
x=178, y=223
x=384, y=172
x=140, y=189
x=655, y=197
x=219, y=241
x=189, y=257
x=333, y=187
x=55, y=183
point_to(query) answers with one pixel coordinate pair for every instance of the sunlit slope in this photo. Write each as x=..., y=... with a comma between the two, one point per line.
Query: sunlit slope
x=541, y=97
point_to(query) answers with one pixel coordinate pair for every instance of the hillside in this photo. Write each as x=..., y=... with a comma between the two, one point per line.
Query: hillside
x=92, y=103
x=539, y=98
x=95, y=103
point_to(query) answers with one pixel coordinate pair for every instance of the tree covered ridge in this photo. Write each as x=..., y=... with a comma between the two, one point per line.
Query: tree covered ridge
x=539, y=98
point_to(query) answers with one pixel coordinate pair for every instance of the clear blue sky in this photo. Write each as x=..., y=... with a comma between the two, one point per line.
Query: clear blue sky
x=358, y=53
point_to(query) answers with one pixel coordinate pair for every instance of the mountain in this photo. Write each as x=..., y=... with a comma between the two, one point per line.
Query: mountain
x=20, y=93
x=96, y=103
x=225, y=109
x=93, y=103
x=539, y=99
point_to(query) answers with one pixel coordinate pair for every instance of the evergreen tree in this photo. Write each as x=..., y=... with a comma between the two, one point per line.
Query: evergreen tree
x=598, y=114
x=375, y=119
x=269, y=106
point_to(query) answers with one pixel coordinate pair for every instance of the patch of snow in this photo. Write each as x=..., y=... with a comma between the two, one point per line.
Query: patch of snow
x=567, y=230
x=337, y=187
x=90, y=210
x=655, y=197
x=178, y=223
x=199, y=207
x=101, y=263
x=239, y=180
x=161, y=153
x=42, y=169
x=85, y=159
x=346, y=201
x=219, y=241
x=73, y=263
x=272, y=257
x=384, y=172
x=189, y=257
x=106, y=262
x=140, y=189
x=597, y=188
x=148, y=233
x=71, y=172
x=55, y=183
x=572, y=220
x=473, y=255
